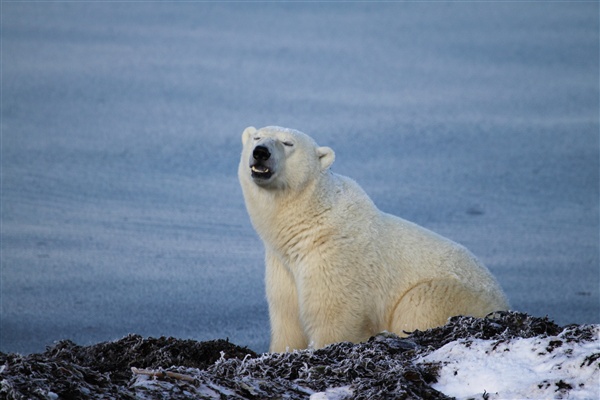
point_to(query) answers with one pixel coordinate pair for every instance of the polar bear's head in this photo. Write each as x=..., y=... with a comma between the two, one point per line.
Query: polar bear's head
x=281, y=158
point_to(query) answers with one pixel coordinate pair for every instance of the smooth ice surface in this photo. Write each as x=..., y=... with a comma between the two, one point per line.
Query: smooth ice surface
x=121, y=127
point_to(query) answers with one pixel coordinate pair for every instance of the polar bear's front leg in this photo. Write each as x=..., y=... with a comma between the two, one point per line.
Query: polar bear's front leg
x=327, y=326
x=287, y=333
x=330, y=313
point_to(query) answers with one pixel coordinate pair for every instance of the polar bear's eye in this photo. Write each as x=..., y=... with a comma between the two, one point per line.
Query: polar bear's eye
x=289, y=144
x=256, y=138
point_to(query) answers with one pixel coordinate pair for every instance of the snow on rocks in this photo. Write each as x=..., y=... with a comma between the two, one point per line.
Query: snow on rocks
x=532, y=368
x=506, y=355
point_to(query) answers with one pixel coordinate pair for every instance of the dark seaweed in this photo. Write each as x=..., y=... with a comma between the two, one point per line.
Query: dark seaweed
x=382, y=367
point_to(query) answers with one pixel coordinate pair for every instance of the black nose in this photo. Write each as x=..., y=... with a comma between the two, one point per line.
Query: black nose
x=261, y=153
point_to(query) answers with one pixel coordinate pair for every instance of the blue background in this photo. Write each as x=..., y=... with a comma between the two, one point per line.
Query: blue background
x=121, y=133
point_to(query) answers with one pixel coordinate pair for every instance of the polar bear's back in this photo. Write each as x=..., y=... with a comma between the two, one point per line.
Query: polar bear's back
x=409, y=244
x=409, y=253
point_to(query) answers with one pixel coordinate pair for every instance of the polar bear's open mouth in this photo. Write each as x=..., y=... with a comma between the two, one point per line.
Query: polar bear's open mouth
x=260, y=172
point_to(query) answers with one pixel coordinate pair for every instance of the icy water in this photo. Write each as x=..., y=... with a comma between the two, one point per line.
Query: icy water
x=121, y=123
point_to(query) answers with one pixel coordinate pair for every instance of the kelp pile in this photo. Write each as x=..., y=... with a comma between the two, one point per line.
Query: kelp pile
x=169, y=368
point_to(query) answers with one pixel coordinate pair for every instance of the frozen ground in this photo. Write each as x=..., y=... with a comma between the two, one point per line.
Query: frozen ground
x=533, y=368
x=121, y=123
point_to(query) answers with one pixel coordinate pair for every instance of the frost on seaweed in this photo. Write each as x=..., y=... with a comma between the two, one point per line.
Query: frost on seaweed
x=383, y=367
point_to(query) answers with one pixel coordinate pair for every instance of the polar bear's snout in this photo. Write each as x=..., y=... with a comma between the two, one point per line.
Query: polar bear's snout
x=261, y=164
x=261, y=153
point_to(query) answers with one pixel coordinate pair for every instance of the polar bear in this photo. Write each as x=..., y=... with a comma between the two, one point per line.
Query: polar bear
x=339, y=269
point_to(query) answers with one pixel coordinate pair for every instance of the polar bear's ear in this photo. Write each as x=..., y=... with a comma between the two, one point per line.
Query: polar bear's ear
x=249, y=131
x=326, y=157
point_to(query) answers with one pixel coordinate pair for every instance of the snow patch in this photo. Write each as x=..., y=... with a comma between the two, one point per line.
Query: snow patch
x=338, y=393
x=537, y=367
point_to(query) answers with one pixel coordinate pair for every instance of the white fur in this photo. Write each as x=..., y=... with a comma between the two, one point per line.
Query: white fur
x=339, y=269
